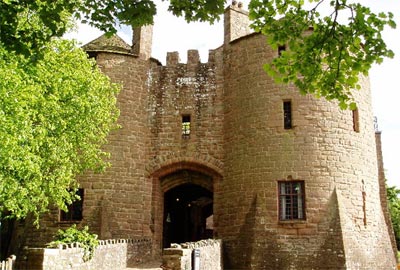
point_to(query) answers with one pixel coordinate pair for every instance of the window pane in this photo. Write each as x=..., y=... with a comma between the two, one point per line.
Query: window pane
x=296, y=188
x=282, y=209
x=287, y=114
x=300, y=207
x=291, y=200
x=185, y=126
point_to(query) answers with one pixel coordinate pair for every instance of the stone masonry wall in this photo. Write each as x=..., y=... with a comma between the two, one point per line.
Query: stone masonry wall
x=337, y=164
x=110, y=254
x=184, y=89
x=236, y=22
x=180, y=257
x=117, y=202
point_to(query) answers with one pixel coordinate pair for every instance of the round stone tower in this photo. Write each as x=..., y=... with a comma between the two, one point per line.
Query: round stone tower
x=300, y=174
x=117, y=202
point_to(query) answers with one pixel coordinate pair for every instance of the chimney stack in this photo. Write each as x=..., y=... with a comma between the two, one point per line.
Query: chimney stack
x=142, y=41
x=236, y=22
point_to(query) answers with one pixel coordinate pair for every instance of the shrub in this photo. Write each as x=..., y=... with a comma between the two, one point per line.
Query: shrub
x=86, y=240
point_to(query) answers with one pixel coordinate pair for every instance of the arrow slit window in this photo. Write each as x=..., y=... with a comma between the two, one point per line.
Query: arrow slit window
x=287, y=114
x=356, y=121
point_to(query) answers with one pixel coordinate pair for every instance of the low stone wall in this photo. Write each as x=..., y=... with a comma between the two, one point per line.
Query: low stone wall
x=180, y=257
x=110, y=254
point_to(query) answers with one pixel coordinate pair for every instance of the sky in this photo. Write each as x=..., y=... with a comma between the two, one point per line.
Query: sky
x=174, y=34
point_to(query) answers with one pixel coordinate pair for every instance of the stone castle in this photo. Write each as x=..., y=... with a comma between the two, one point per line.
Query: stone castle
x=218, y=150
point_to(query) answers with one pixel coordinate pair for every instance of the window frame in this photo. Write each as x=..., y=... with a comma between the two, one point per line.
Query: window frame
x=300, y=206
x=186, y=125
x=73, y=215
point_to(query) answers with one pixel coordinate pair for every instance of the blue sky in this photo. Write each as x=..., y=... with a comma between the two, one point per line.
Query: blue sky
x=174, y=34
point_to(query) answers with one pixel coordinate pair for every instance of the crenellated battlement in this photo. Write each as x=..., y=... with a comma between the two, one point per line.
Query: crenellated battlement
x=193, y=58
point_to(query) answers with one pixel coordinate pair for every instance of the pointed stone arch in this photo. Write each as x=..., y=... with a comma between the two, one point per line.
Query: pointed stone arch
x=162, y=166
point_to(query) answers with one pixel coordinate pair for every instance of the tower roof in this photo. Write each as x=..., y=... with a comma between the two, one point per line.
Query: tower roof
x=108, y=44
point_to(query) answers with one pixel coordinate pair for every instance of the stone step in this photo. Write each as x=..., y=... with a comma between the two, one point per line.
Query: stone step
x=147, y=266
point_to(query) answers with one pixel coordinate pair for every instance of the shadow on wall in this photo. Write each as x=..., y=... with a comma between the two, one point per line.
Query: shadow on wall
x=261, y=248
x=252, y=234
x=330, y=254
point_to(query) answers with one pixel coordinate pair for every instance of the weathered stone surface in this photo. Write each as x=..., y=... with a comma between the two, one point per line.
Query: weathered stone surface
x=110, y=254
x=209, y=251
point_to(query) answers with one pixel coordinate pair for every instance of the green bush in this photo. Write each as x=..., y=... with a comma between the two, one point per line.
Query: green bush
x=86, y=240
x=394, y=209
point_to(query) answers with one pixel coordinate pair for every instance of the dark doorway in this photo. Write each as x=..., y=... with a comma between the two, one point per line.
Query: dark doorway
x=188, y=210
x=6, y=233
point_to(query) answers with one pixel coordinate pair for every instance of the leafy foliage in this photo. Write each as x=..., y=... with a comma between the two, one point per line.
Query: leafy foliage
x=26, y=26
x=326, y=54
x=86, y=240
x=393, y=194
x=200, y=10
x=55, y=114
x=105, y=14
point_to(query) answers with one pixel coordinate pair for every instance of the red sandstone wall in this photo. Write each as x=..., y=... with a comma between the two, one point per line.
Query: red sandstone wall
x=117, y=203
x=322, y=149
x=184, y=89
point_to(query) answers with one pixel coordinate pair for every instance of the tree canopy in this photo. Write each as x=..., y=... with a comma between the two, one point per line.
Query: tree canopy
x=326, y=53
x=55, y=114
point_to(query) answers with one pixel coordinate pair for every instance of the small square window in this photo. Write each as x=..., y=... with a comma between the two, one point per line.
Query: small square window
x=287, y=114
x=281, y=48
x=185, y=126
x=75, y=209
x=291, y=200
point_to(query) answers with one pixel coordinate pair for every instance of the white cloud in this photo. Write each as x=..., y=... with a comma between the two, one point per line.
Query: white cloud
x=84, y=33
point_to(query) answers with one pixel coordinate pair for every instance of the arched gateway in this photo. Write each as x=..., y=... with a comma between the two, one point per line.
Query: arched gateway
x=186, y=210
x=183, y=203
